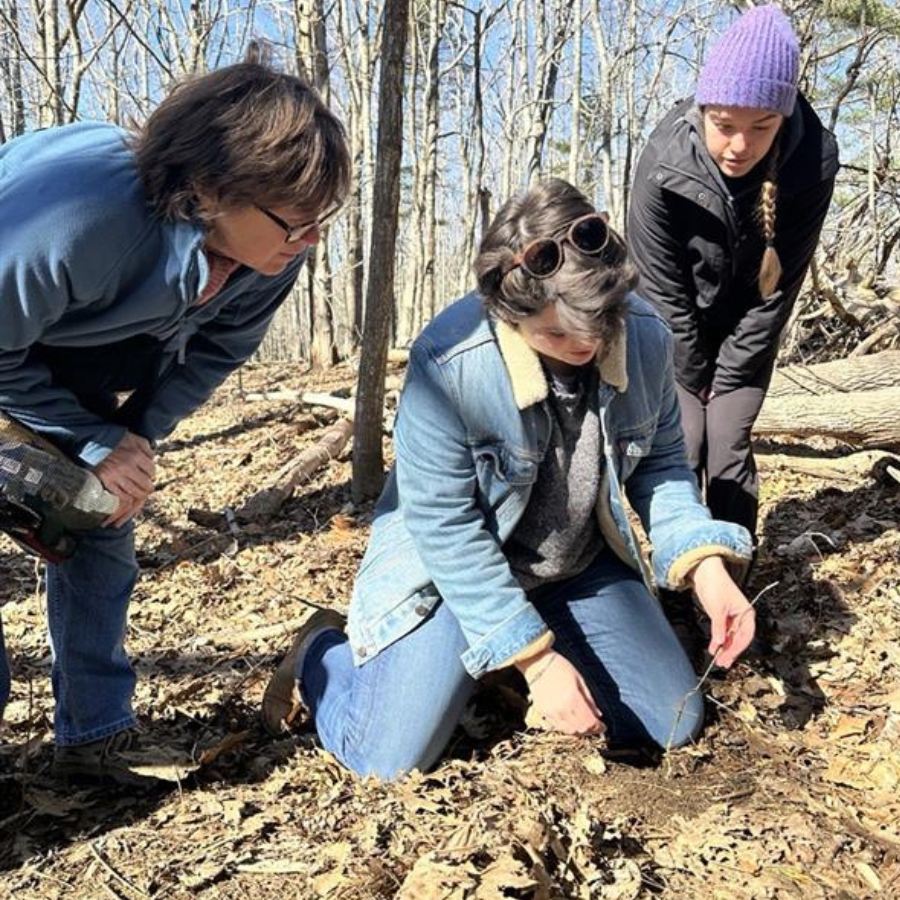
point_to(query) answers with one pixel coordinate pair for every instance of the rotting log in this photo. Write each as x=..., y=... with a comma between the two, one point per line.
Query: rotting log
x=308, y=398
x=266, y=503
x=865, y=419
x=879, y=465
x=863, y=373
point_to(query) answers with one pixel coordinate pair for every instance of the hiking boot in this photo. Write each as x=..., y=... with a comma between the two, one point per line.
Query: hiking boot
x=282, y=702
x=115, y=759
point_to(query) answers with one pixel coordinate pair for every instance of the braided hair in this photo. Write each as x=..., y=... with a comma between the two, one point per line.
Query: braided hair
x=770, y=269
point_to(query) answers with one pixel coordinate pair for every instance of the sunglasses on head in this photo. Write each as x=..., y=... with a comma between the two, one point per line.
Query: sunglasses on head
x=589, y=235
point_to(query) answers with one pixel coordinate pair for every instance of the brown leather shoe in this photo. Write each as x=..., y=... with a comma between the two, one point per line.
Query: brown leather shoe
x=282, y=702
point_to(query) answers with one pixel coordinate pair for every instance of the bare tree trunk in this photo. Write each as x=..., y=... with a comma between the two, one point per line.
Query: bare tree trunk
x=473, y=158
x=410, y=305
x=197, y=34
x=515, y=80
x=356, y=56
x=312, y=62
x=47, y=19
x=432, y=122
x=576, y=106
x=11, y=71
x=368, y=460
x=549, y=55
x=484, y=203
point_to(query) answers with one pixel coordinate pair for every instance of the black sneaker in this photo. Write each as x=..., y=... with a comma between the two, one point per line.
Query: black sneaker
x=282, y=703
x=116, y=759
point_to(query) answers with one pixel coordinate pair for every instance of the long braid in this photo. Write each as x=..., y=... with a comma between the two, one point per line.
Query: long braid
x=770, y=269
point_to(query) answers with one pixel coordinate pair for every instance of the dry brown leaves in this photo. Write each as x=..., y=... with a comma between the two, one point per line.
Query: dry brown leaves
x=791, y=793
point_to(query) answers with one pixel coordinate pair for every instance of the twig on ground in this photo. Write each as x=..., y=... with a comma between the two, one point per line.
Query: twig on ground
x=117, y=875
x=712, y=663
x=241, y=638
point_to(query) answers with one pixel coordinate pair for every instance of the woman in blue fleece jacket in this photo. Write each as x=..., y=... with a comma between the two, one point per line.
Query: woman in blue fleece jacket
x=149, y=264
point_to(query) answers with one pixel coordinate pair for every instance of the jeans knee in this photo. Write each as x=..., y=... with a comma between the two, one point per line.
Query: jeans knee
x=391, y=766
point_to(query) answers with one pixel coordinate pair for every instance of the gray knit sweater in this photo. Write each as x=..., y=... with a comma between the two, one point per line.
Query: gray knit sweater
x=559, y=536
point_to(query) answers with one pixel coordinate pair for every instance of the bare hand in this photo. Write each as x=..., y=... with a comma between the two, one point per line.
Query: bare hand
x=560, y=694
x=128, y=474
x=731, y=617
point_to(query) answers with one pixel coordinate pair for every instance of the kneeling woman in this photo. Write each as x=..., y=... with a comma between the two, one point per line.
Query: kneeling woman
x=531, y=409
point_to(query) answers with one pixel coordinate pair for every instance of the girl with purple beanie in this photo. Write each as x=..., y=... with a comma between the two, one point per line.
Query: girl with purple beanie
x=728, y=202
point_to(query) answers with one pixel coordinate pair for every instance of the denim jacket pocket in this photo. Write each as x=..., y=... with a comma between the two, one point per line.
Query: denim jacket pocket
x=632, y=446
x=497, y=466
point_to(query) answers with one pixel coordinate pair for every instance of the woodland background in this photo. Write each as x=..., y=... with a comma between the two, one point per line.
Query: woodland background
x=792, y=790
x=494, y=95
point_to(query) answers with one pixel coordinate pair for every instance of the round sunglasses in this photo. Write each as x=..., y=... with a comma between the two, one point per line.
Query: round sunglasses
x=544, y=257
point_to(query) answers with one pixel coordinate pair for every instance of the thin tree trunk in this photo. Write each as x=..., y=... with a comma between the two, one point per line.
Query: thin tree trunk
x=430, y=174
x=11, y=71
x=368, y=459
x=475, y=164
x=575, y=127
x=312, y=62
x=410, y=305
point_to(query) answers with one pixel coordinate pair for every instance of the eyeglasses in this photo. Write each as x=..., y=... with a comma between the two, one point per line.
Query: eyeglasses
x=294, y=233
x=542, y=258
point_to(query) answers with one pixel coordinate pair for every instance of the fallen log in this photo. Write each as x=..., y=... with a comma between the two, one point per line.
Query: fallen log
x=878, y=465
x=866, y=419
x=266, y=503
x=345, y=405
x=864, y=373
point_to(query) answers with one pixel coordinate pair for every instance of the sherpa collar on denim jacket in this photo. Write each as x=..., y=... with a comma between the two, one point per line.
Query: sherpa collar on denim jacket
x=526, y=373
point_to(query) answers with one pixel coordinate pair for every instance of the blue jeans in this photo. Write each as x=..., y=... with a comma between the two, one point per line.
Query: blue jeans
x=398, y=711
x=87, y=608
x=88, y=595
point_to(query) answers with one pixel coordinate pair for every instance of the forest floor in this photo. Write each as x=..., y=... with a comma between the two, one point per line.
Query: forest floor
x=793, y=791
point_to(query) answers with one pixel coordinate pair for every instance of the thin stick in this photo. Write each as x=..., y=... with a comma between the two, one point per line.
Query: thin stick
x=703, y=678
x=106, y=865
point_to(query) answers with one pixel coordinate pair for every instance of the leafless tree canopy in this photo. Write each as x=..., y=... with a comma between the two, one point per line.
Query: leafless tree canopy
x=495, y=94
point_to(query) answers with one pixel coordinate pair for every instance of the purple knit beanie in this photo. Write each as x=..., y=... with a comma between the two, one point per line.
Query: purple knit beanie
x=755, y=64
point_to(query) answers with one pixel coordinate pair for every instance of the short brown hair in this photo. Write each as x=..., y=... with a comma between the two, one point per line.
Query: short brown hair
x=588, y=291
x=245, y=134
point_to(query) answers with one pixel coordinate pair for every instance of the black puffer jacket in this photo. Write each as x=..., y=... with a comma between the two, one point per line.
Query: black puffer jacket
x=699, y=248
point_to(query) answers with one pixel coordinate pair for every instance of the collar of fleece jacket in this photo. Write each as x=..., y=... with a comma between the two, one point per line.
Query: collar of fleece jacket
x=527, y=375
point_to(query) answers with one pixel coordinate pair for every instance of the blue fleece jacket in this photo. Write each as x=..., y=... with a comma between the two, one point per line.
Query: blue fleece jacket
x=85, y=263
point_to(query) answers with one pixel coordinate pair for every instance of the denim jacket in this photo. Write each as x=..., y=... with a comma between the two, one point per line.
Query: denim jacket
x=471, y=431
